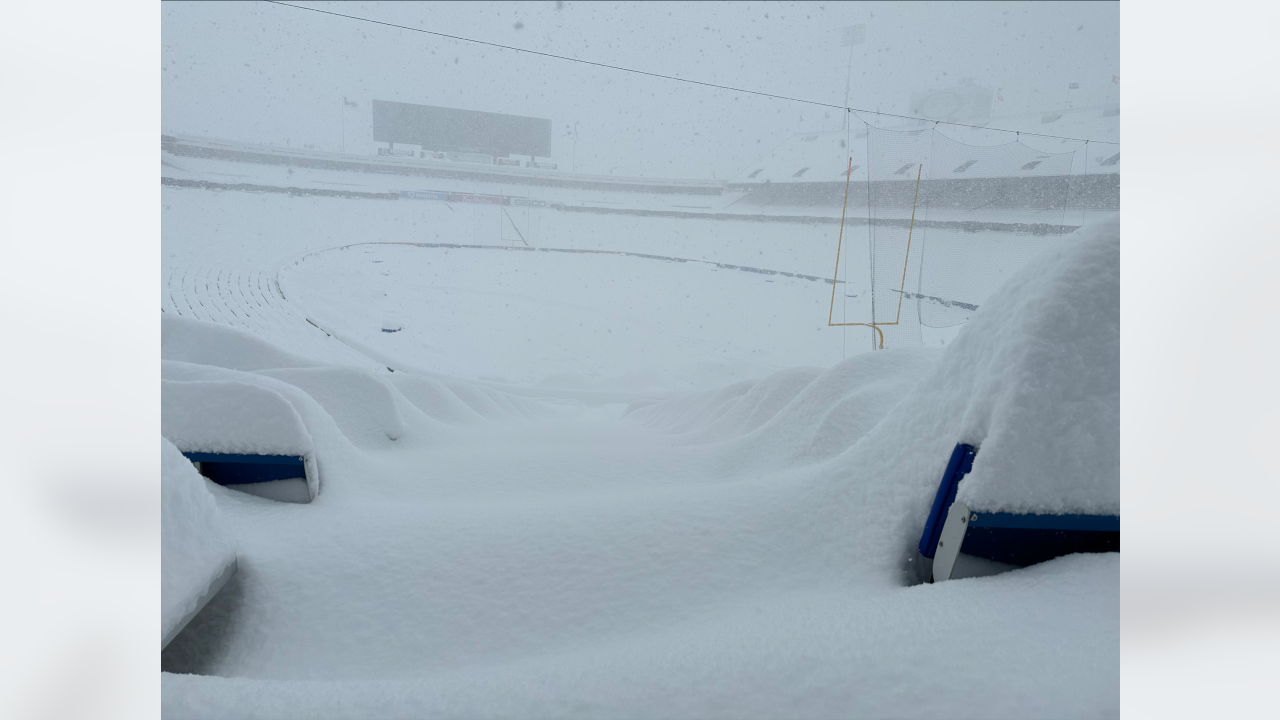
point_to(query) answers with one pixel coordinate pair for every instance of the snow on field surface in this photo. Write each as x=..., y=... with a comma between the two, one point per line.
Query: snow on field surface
x=563, y=320
x=479, y=549
x=272, y=266
x=196, y=545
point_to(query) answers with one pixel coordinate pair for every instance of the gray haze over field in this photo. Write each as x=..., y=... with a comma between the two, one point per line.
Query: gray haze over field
x=261, y=72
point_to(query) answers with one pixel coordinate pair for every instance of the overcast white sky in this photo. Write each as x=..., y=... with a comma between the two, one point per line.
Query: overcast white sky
x=262, y=72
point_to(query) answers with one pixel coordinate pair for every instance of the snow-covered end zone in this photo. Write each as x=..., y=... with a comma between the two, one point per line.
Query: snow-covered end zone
x=197, y=553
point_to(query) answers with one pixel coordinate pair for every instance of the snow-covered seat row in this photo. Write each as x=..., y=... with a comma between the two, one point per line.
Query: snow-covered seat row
x=257, y=418
x=1018, y=539
x=242, y=435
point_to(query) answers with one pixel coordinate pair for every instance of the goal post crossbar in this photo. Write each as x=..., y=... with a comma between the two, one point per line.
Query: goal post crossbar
x=840, y=243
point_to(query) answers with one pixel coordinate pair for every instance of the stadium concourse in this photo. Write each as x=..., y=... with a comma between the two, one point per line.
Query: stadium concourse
x=605, y=464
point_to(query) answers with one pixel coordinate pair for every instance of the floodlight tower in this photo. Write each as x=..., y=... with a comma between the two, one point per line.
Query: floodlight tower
x=342, y=111
x=853, y=35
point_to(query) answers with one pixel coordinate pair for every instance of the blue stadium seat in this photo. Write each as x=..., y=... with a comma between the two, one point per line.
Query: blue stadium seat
x=274, y=477
x=1016, y=539
x=233, y=469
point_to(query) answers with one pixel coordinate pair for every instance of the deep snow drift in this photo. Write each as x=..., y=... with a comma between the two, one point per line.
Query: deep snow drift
x=477, y=551
x=1033, y=380
x=197, y=546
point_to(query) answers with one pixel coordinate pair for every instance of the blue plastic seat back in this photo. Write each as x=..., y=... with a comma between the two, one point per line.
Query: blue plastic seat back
x=238, y=469
x=960, y=464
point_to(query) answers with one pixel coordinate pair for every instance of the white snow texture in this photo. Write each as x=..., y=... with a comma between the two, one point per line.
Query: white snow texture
x=230, y=417
x=195, y=544
x=1035, y=381
x=491, y=549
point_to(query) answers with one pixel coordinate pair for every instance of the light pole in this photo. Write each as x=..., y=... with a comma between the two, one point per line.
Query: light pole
x=853, y=35
x=342, y=111
x=848, y=78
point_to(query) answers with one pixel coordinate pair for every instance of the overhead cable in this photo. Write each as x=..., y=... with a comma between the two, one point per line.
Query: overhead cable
x=669, y=77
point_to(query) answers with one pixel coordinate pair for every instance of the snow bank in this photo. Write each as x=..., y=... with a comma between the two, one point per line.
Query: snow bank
x=206, y=343
x=231, y=417
x=1042, y=393
x=734, y=410
x=798, y=414
x=368, y=406
x=197, y=550
x=495, y=404
x=433, y=398
x=1033, y=381
x=1040, y=642
x=363, y=405
x=331, y=415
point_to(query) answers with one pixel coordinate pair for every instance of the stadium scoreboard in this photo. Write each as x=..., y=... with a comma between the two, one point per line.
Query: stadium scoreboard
x=454, y=130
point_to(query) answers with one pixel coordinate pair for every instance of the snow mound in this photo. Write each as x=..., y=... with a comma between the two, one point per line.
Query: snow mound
x=433, y=398
x=196, y=547
x=804, y=414
x=1033, y=381
x=363, y=405
x=207, y=343
x=331, y=415
x=495, y=404
x=803, y=653
x=370, y=408
x=735, y=410
x=231, y=417
x=1042, y=397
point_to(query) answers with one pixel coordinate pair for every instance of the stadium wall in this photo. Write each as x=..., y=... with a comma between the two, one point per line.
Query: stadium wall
x=333, y=161
x=1092, y=192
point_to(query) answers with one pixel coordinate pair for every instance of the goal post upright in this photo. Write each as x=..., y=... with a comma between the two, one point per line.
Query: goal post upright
x=905, y=261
